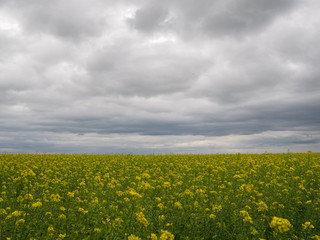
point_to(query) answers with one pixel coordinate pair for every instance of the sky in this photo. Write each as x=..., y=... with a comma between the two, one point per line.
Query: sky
x=154, y=77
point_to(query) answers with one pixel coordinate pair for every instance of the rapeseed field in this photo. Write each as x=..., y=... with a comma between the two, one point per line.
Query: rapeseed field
x=158, y=197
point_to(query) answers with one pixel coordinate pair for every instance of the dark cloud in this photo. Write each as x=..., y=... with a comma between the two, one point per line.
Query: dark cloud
x=159, y=76
x=72, y=19
x=145, y=70
x=150, y=18
x=211, y=18
x=241, y=17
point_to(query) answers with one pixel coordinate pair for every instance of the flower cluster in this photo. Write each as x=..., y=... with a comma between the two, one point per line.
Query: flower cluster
x=280, y=225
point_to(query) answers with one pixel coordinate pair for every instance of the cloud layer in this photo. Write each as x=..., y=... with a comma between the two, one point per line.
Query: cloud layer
x=159, y=76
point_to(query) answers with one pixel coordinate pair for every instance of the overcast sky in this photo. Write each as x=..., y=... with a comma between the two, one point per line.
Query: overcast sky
x=159, y=76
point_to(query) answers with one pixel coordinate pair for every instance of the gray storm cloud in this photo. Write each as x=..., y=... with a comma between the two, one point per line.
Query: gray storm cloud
x=159, y=76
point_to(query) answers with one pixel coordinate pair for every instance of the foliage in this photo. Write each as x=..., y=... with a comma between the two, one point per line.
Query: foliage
x=222, y=196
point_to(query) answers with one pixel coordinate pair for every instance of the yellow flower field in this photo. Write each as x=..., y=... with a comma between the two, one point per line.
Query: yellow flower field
x=157, y=197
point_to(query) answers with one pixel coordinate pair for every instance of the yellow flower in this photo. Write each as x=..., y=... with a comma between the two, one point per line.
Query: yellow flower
x=36, y=204
x=83, y=211
x=216, y=208
x=178, y=205
x=70, y=194
x=200, y=191
x=118, y=221
x=55, y=198
x=95, y=200
x=262, y=206
x=62, y=217
x=301, y=186
x=97, y=178
x=142, y=219
x=62, y=236
x=188, y=193
x=50, y=228
x=145, y=185
x=246, y=187
x=20, y=222
x=28, y=197
x=307, y=225
x=246, y=216
x=133, y=192
x=133, y=237
x=160, y=205
x=28, y=173
x=20, y=199
x=165, y=235
x=16, y=213
x=280, y=224
x=153, y=237
x=97, y=230
x=48, y=214
x=254, y=231
x=3, y=212
x=145, y=175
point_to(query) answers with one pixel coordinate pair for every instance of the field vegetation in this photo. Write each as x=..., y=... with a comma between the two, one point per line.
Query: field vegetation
x=222, y=196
